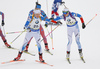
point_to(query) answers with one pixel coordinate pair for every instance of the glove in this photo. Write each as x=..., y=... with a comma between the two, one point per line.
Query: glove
x=51, y=18
x=83, y=25
x=24, y=28
x=3, y=23
x=37, y=3
x=58, y=22
x=27, y=29
x=62, y=2
x=46, y=25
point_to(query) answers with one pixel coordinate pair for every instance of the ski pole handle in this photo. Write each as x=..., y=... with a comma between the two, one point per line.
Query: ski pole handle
x=91, y=19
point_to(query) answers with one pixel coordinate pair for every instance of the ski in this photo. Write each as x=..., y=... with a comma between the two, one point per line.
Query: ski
x=48, y=52
x=12, y=48
x=43, y=63
x=12, y=61
x=29, y=53
x=68, y=60
x=82, y=59
x=23, y=51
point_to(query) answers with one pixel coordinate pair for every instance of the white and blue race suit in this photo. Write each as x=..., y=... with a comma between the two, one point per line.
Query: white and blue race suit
x=72, y=27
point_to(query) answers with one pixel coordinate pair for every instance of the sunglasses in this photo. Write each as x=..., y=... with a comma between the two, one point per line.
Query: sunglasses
x=65, y=12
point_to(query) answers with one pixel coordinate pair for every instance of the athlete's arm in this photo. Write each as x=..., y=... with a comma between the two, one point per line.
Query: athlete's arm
x=78, y=15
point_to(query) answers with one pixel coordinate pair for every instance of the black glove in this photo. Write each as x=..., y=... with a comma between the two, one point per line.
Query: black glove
x=24, y=27
x=62, y=2
x=51, y=18
x=46, y=25
x=3, y=23
x=28, y=29
x=37, y=3
x=83, y=25
x=58, y=22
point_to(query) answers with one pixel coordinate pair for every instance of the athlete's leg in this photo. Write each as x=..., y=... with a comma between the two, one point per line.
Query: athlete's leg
x=4, y=40
x=77, y=36
x=38, y=41
x=28, y=36
x=44, y=37
x=69, y=33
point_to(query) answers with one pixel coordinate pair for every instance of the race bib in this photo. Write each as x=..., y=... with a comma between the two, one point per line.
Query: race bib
x=70, y=21
x=35, y=24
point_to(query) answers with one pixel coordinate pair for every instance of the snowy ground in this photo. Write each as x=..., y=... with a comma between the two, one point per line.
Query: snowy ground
x=16, y=12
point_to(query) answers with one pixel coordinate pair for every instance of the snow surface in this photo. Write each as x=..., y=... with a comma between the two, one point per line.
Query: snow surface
x=16, y=13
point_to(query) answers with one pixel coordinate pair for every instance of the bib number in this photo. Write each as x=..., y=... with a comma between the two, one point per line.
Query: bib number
x=35, y=26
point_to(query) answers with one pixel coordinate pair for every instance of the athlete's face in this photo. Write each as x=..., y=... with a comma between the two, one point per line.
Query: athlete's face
x=37, y=15
x=66, y=13
x=37, y=9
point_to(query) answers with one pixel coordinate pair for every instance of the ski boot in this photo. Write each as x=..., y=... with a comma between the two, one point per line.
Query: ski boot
x=18, y=57
x=6, y=44
x=46, y=47
x=40, y=58
x=51, y=18
x=80, y=53
x=68, y=55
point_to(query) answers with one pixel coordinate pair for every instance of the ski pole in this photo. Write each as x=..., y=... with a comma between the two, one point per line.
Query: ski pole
x=52, y=37
x=47, y=14
x=49, y=33
x=65, y=6
x=91, y=19
x=14, y=32
x=47, y=6
x=18, y=36
x=51, y=26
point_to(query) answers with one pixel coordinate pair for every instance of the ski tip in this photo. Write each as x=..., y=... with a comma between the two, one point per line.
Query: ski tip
x=53, y=48
x=35, y=45
x=3, y=63
x=51, y=65
x=11, y=43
